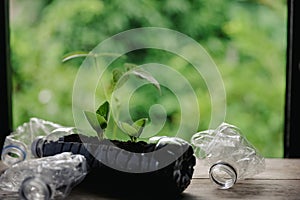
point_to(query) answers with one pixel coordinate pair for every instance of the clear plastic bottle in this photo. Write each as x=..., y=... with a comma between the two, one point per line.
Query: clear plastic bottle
x=57, y=134
x=17, y=145
x=45, y=178
x=164, y=140
x=229, y=155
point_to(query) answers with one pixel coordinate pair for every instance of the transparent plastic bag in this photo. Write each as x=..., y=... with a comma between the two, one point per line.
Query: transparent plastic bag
x=229, y=155
x=17, y=146
x=45, y=178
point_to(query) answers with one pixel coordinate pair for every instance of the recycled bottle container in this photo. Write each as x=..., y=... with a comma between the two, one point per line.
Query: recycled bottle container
x=166, y=172
x=17, y=145
x=45, y=178
x=228, y=154
x=56, y=135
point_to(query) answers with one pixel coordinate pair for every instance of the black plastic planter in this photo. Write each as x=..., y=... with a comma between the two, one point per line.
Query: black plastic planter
x=115, y=166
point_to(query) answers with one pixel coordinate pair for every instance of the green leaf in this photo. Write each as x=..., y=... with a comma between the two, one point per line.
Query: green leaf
x=139, y=125
x=117, y=74
x=103, y=111
x=94, y=120
x=134, y=131
x=142, y=74
x=130, y=130
x=119, y=78
x=129, y=66
x=102, y=121
x=140, y=122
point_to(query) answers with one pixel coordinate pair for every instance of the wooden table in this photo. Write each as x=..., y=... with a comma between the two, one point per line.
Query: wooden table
x=281, y=180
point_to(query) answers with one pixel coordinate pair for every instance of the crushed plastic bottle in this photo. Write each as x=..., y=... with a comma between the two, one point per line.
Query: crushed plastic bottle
x=164, y=140
x=17, y=146
x=229, y=155
x=37, y=145
x=45, y=178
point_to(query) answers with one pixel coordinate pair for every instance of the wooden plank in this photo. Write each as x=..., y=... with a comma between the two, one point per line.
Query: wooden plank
x=204, y=189
x=281, y=180
x=281, y=169
x=275, y=169
x=247, y=189
x=83, y=195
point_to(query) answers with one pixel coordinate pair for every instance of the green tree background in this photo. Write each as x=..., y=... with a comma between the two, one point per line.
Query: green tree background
x=245, y=38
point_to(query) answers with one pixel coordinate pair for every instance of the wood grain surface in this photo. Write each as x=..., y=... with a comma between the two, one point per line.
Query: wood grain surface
x=280, y=180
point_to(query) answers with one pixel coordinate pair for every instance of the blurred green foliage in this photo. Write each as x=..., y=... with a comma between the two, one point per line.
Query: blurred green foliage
x=245, y=38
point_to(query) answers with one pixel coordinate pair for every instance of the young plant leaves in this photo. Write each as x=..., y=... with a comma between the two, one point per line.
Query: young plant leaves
x=134, y=131
x=103, y=111
x=139, y=125
x=97, y=122
x=118, y=78
x=129, y=66
x=130, y=130
x=142, y=74
x=117, y=74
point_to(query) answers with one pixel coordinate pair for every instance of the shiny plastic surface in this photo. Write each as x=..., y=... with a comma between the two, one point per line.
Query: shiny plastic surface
x=49, y=177
x=227, y=145
x=17, y=145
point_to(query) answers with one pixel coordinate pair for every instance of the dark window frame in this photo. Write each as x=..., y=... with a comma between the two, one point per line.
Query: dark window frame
x=292, y=101
x=5, y=74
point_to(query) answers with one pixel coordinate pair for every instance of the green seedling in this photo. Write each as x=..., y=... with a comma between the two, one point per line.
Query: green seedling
x=99, y=119
x=135, y=130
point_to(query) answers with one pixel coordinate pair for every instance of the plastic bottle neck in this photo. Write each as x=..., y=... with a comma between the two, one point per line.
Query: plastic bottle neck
x=223, y=175
x=34, y=188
